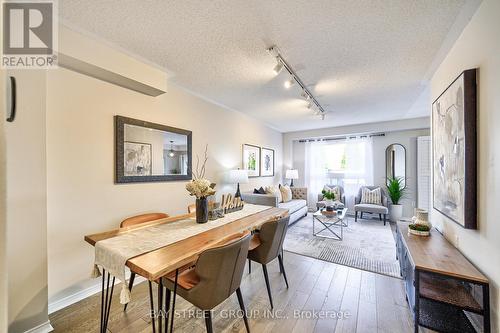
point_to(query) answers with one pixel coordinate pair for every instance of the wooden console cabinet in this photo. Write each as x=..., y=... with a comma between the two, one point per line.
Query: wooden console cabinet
x=441, y=283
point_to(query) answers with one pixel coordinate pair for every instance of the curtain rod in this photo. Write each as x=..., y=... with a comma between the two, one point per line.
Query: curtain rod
x=344, y=137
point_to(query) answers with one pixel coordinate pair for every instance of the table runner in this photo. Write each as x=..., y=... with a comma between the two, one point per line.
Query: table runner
x=112, y=254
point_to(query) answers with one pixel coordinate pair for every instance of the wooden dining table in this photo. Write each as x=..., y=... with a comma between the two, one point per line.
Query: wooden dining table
x=171, y=258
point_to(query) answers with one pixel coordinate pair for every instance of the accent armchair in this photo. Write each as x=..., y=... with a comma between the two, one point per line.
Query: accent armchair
x=322, y=203
x=371, y=208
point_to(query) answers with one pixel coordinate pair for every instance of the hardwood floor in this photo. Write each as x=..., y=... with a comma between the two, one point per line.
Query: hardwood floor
x=371, y=303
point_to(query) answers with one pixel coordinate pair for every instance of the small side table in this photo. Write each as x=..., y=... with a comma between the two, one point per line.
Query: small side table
x=329, y=222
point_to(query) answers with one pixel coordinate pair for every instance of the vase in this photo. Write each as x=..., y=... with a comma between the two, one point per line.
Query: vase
x=422, y=217
x=329, y=204
x=396, y=212
x=202, y=210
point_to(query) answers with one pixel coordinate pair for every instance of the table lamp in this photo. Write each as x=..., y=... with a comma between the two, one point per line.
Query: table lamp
x=292, y=174
x=237, y=177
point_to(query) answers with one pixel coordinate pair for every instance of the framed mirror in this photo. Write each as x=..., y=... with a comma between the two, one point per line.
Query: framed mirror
x=148, y=152
x=395, y=162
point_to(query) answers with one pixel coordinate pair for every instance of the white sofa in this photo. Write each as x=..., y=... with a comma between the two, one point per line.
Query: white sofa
x=297, y=207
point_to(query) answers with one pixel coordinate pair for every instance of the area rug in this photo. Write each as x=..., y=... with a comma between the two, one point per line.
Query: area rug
x=367, y=245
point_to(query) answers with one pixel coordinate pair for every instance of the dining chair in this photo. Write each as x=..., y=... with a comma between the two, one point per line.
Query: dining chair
x=143, y=218
x=215, y=277
x=267, y=245
x=135, y=221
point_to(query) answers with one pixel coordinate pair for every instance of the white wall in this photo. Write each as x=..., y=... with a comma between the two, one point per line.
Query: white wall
x=407, y=138
x=27, y=204
x=82, y=196
x=479, y=46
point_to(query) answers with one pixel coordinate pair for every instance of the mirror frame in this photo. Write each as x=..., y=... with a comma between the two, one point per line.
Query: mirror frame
x=120, y=178
x=404, y=150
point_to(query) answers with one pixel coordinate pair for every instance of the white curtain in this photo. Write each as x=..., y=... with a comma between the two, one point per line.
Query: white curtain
x=348, y=163
x=359, y=167
x=315, y=170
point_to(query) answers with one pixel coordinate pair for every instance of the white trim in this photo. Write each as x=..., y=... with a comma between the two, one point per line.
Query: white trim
x=43, y=328
x=69, y=299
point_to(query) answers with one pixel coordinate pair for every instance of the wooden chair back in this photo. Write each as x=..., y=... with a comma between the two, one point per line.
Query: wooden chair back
x=143, y=218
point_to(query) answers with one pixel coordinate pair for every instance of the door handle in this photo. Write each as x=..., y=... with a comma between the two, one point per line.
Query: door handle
x=12, y=95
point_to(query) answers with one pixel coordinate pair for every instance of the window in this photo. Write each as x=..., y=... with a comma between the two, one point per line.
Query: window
x=347, y=163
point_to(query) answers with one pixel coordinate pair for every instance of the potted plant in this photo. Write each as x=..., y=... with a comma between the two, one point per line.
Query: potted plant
x=201, y=188
x=329, y=196
x=396, y=192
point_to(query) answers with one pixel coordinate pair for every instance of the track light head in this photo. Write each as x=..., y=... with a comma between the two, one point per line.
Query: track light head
x=290, y=82
x=278, y=68
x=312, y=103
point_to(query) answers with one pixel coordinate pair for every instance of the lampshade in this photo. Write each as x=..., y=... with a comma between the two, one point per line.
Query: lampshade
x=292, y=174
x=237, y=176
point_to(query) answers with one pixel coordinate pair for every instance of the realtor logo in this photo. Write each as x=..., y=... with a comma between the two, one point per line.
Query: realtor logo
x=29, y=34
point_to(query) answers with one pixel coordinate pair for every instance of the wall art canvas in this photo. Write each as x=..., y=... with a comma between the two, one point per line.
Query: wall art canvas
x=137, y=161
x=251, y=160
x=454, y=151
x=267, y=162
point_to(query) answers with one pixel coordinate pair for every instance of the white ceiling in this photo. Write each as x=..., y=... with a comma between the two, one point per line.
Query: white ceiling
x=364, y=60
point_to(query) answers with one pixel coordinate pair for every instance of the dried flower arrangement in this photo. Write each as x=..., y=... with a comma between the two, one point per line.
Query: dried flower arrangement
x=200, y=187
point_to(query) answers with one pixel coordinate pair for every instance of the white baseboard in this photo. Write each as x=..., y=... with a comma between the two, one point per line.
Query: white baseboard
x=43, y=328
x=73, y=297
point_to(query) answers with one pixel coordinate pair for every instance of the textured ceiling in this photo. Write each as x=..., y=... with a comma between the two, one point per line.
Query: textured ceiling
x=365, y=60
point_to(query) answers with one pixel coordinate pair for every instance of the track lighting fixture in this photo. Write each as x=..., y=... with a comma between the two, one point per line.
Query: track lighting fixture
x=290, y=82
x=306, y=94
x=279, y=66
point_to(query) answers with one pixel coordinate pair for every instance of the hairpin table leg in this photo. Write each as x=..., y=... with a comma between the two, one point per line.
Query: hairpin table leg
x=173, y=301
x=106, y=298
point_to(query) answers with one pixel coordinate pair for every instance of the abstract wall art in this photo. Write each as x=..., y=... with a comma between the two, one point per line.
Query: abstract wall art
x=454, y=151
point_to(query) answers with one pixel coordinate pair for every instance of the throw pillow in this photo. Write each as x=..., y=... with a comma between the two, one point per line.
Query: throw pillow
x=373, y=197
x=255, y=191
x=335, y=190
x=274, y=190
x=286, y=193
x=262, y=191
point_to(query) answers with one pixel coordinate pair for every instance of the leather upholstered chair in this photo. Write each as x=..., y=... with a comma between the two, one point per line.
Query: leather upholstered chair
x=270, y=239
x=215, y=277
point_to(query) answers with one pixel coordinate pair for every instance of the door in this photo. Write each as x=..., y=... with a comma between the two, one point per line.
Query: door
x=26, y=203
x=3, y=216
x=424, y=172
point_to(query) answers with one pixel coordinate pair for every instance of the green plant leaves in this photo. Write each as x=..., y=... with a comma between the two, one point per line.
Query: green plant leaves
x=395, y=189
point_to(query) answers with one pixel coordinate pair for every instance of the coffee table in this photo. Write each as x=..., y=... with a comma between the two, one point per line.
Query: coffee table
x=330, y=223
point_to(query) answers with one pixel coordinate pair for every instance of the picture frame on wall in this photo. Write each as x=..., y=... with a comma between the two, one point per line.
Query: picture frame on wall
x=267, y=162
x=139, y=159
x=251, y=160
x=454, y=151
